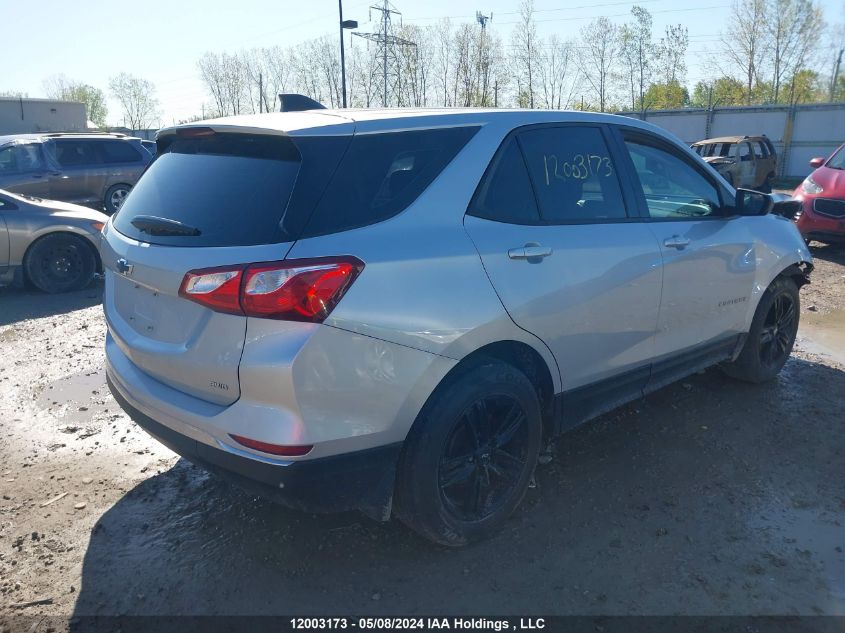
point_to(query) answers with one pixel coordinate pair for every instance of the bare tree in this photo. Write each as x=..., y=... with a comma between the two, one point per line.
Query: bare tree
x=226, y=78
x=365, y=87
x=524, y=56
x=415, y=63
x=744, y=43
x=793, y=28
x=554, y=69
x=279, y=75
x=637, y=54
x=137, y=98
x=443, y=63
x=600, y=51
x=671, y=65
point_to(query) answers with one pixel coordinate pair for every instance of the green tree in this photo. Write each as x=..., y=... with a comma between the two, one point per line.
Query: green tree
x=805, y=86
x=724, y=91
x=64, y=89
x=668, y=95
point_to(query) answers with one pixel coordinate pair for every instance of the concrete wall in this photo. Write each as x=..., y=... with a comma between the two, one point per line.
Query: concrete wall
x=40, y=115
x=798, y=133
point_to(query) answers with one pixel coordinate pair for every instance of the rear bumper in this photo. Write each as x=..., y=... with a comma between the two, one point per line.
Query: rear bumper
x=362, y=480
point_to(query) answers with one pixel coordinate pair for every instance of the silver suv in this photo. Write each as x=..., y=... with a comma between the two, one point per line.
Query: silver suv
x=393, y=311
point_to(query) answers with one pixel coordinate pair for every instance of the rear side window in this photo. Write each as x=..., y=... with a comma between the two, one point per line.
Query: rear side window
x=232, y=188
x=382, y=174
x=118, y=152
x=573, y=174
x=72, y=153
x=505, y=193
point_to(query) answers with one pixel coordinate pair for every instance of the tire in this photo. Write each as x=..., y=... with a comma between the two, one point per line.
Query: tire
x=772, y=334
x=766, y=187
x=115, y=196
x=470, y=455
x=60, y=262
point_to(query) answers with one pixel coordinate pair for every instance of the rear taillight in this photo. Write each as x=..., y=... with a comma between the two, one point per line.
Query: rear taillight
x=295, y=290
x=216, y=288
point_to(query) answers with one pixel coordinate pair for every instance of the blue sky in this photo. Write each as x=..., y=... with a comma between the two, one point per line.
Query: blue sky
x=161, y=40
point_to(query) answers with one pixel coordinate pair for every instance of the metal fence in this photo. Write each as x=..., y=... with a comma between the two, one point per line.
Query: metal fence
x=798, y=132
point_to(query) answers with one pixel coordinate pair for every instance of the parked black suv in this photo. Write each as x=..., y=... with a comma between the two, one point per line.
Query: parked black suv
x=96, y=170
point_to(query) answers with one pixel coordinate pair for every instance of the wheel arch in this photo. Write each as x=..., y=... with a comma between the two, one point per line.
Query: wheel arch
x=518, y=354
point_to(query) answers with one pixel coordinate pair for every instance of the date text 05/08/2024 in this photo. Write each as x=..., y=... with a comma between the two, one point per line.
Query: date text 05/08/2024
x=445, y=624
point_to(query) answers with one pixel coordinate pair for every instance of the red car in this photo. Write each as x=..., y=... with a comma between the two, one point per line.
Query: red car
x=822, y=217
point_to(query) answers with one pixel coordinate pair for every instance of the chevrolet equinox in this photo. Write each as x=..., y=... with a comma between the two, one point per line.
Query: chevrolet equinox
x=392, y=311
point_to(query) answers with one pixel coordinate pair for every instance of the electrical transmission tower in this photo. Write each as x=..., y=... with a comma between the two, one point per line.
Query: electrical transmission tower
x=387, y=58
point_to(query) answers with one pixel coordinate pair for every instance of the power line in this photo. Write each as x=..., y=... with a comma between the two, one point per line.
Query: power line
x=583, y=6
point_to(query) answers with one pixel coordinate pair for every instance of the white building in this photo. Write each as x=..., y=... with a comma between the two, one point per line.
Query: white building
x=21, y=114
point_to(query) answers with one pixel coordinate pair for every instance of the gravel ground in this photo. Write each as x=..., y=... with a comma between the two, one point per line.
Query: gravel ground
x=707, y=497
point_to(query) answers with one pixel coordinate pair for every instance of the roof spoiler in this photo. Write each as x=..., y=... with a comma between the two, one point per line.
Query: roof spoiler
x=293, y=102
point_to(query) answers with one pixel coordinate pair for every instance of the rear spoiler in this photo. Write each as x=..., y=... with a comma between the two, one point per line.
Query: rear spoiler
x=292, y=102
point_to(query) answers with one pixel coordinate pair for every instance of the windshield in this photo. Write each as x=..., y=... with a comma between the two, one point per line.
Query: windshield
x=837, y=161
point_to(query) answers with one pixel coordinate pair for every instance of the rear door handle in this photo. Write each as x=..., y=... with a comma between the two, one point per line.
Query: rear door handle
x=530, y=251
x=676, y=241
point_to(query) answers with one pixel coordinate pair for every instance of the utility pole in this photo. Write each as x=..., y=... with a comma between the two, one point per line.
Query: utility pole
x=260, y=92
x=387, y=48
x=835, y=79
x=483, y=66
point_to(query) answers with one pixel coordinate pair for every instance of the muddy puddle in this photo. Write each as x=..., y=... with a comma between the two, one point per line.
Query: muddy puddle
x=811, y=534
x=78, y=402
x=823, y=334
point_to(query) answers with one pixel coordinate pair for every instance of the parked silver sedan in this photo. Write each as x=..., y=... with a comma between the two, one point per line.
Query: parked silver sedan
x=50, y=244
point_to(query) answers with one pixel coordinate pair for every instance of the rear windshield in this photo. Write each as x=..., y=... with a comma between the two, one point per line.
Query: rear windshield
x=231, y=188
x=242, y=190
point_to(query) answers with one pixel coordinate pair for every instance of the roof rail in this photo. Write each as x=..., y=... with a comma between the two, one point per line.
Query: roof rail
x=292, y=102
x=78, y=133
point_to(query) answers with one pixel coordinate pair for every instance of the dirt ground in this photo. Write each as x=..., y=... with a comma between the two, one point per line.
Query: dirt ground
x=707, y=497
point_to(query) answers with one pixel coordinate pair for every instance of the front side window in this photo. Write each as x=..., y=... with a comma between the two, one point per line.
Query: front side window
x=573, y=174
x=21, y=159
x=505, y=194
x=673, y=188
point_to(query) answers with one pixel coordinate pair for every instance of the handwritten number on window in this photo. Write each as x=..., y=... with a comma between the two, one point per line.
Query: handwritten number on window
x=580, y=167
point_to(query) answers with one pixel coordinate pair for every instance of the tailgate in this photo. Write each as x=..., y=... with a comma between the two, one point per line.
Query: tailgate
x=178, y=342
x=208, y=199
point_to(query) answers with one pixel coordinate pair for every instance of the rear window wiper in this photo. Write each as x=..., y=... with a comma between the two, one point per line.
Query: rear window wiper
x=162, y=226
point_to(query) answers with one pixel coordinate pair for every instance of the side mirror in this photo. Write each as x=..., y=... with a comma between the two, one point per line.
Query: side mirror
x=789, y=209
x=816, y=162
x=750, y=202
